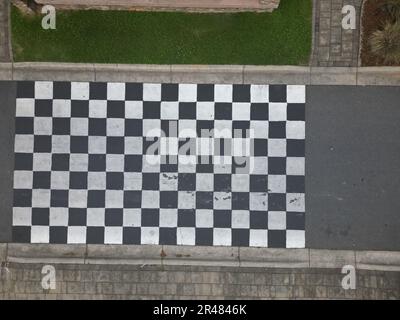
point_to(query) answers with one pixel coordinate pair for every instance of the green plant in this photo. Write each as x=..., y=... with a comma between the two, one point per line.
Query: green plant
x=385, y=43
x=392, y=8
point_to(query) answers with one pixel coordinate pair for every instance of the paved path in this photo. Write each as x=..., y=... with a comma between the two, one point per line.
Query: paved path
x=4, y=31
x=333, y=46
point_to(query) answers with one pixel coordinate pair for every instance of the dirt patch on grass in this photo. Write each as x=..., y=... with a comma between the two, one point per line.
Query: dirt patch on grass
x=373, y=19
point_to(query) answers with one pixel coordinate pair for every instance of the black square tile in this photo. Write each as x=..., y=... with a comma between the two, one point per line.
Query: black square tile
x=204, y=236
x=187, y=110
x=240, y=237
x=41, y=180
x=42, y=144
x=296, y=111
x=40, y=216
x=62, y=90
x=186, y=218
x=133, y=128
x=205, y=128
x=295, y=221
x=95, y=235
x=23, y=125
x=25, y=89
x=277, y=129
x=80, y=108
x=295, y=148
x=204, y=200
x=96, y=198
x=276, y=239
x=134, y=91
x=187, y=181
x=205, y=92
x=295, y=184
x=260, y=147
x=133, y=163
x=258, y=183
x=222, y=182
x=78, y=180
x=61, y=126
x=98, y=91
x=115, y=109
x=276, y=165
x=115, y=145
x=241, y=93
x=277, y=202
x=97, y=162
x=240, y=200
x=241, y=130
x=97, y=127
x=169, y=199
x=43, y=108
x=150, y=181
x=223, y=111
x=169, y=92
x=222, y=219
x=259, y=220
x=23, y=161
x=79, y=144
x=167, y=236
x=115, y=180
x=151, y=110
x=21, y=234
x=60, y=162
x=131, y=235
x=77, y=217
x=150, y=218
x=259, y=111
x=114, y=217
x=132, y=199
x=58, y=235
x=277, y=93
x=59, y=198
x=151, y=145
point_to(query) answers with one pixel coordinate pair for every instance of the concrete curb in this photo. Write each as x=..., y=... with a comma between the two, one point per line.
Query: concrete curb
x=199, y=256
x=389, y=76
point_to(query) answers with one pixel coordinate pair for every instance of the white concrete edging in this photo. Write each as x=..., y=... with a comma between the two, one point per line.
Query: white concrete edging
x=199, y=256
x=389, y=76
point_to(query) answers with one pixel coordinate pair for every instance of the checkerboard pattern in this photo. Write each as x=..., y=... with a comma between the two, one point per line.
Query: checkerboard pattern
x=128, y=163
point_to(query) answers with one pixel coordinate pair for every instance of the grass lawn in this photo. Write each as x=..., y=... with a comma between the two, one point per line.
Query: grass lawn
x=281, y=37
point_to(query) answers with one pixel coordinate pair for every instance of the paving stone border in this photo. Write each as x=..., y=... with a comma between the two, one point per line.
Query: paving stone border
x=201, y=73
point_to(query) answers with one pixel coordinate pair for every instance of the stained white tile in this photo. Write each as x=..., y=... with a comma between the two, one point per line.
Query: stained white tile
x=186, y=236
x=259, y=93
x=79, y=90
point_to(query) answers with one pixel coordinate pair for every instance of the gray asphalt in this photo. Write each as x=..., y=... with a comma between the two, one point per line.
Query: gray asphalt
x=353, y=168
x=7, y=112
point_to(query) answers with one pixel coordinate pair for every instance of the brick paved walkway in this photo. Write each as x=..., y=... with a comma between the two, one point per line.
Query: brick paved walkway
x=333, y=46
x=4, y=32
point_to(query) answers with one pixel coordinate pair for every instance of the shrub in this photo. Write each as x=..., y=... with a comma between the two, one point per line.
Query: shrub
x=392, y=8
x=385, y=43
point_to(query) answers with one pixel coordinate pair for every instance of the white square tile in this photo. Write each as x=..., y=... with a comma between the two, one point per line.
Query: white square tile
x=186, y=199
x=132, y=181
x=61, y=108
x=277, y=147
x=277, y=111
x=23, y=143
x=79, y=126
x=277, y=183
x=133, y=109
x=295, y=130
x=151, y=128
x=97, y=145
x=96, y=217
x=187, y=129
x=98, y=109
x=240, y=219
x=151, y=92
x=204, y=182
x=258, y=238
x=240, y=183
x=169, y=110
x=169, y=218
x=240, y=111
x=205, y=110
x=40, y=198
x=77, y=198
x=169, y=146
x=149, y=235
x=276, y=220
x=22, y=217
x=168, y=181
x=42, y=161
x=25, y=107
x=258, y=201
x=60, y=144
x=113, y=235
x=115, y=91
x=133, y=145
x=295, y=202
x=259, y=93
x=295, y=239
x=97, y=180
x=151, y=163
x=59, y=180
x=43, y=126
x=78, y=162
x=295, y=166
x=260, y=165
x=43, y=90
x=259, y=129
x=205, y=146
x=186, y=236
x=40, y=234
x=187, y=92
x=79, y=90
x=187, y=164
x=150, y=199
x=76, y=235
x=132, y=218
x=114, y=199
x=204, y=218
x=222, y=237
x=58, y=217
x=115, y=162
x=296, y=94
x=222, y=129
x=223, y=93
x=241, y=147
x=222, y=200
x=115, y=127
